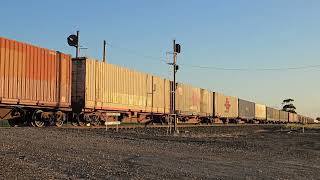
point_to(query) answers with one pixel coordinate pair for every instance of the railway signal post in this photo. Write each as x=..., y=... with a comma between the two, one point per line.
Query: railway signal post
x=176, y=50
x=73, y=40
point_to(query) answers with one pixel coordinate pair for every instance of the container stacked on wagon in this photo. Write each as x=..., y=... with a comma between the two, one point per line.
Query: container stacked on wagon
x=39, y=86
x=35, y=84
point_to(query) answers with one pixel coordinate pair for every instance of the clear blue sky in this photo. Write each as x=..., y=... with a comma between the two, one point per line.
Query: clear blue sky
x=228, y=34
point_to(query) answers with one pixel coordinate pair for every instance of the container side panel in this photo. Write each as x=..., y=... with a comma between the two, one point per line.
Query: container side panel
x=225, y=106
x=23, y=72
x=246, y=109
x=6, y=68
x=2, y=66
x=188, y=99
x=284, y=116
x=206, y=103
x=272, y=114
x=260, y=112
x=26, y=74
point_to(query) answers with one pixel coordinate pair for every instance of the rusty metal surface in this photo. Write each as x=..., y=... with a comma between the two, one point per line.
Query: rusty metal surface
x=246, y=109
x=225, y=106
x=260, y=112
x=33, y=75
x=98, y=85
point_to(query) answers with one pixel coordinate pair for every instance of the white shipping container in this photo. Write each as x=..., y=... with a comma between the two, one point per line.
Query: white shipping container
x=225, y=106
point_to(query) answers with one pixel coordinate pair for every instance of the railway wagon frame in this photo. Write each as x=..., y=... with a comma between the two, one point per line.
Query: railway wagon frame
x=107, y=92
x=35, y=84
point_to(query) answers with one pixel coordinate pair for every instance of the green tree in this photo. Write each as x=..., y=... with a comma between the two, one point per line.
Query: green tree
x=288, y=106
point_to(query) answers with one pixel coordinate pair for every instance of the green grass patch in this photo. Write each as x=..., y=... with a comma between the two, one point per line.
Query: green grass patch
x=4, y=123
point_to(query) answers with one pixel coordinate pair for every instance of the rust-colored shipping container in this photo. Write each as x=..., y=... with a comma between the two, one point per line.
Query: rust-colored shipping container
x=206, y=103
x=284, y=116
x=273, y=114
x=102, y=86
x=293, y=118
x=188, y=100
x=225, y=106
x=34, y=76
x=260, y=112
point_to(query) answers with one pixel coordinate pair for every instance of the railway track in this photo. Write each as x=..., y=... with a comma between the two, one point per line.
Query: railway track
x=164, y=126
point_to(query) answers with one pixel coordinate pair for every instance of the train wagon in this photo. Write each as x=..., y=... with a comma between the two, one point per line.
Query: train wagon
x=305, y=120
x=310, y=120
x=246, y=110
x=206, y=105
x=302, y=119
x=107, y=92
x=284, y=116
x=188, y=102
x=225, y=107
x=293, y=118
x=35, y=84
x=260, y=113
x=273, y=115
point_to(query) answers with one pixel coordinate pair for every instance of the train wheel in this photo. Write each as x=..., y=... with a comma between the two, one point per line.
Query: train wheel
x=95, y=121
x=81, y=120
x=39, y=123
x=74, y=123
x=32, y=124
x=38, y=119
x=13, y=122
x=75, y=118
x=81, y=123
x=59, y=118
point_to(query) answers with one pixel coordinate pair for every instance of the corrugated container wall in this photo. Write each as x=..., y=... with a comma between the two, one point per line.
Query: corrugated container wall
x=31, y=75
x=260, y=112
x=293, y=118
x=284, y=116
x=206, y=103
x=225, y=106
x=310, y=120
x=98, y=85
x=187, y=99
x=273, y=114
x=246, y=109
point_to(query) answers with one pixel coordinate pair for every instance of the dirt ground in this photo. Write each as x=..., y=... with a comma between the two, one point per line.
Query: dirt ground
x=249, y=152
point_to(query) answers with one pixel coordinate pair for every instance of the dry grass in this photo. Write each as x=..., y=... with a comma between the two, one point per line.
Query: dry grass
x=299, y=126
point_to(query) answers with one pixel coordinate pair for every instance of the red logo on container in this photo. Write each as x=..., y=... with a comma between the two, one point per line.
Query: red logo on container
x=227, y=105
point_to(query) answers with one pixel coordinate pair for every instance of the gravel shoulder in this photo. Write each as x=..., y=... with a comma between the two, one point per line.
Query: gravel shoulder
x=203, y=153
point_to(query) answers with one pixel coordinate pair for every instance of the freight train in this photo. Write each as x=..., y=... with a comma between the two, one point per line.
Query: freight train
x=41, y=87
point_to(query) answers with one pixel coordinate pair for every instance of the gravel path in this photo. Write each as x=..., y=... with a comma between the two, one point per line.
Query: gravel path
x=203, y=153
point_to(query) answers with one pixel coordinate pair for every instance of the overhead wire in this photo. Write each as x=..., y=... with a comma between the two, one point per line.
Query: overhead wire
x=159, y=59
